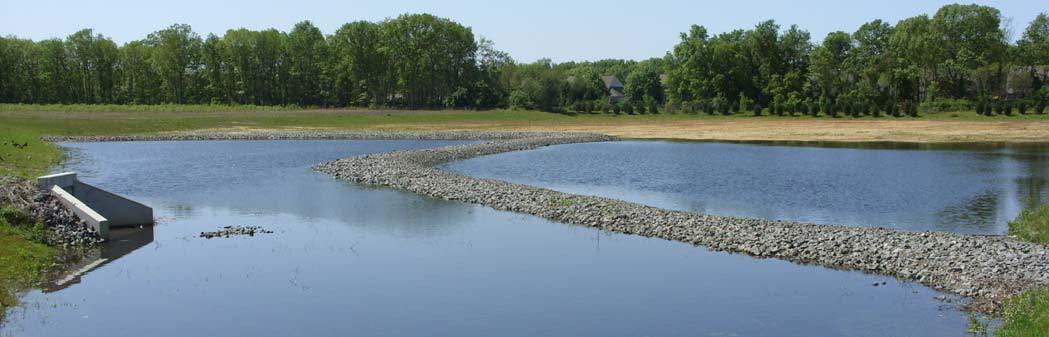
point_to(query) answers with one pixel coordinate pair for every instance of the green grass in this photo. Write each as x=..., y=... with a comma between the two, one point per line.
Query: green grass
x=1032, y=225
x=136, y=108
x=1026, y=315
x=81, y=123
x=30, y=161
x=24, y=258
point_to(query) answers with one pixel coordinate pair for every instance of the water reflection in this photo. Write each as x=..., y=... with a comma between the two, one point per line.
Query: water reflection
x=123, y=241
x=260, y=177
x=979, y=209
x=1034, y=188
x=351, y=260
x=976, y=190
x=176, y=210
x=504, y=274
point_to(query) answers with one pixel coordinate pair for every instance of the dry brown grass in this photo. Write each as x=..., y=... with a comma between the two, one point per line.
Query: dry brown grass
x=932, y=131
x=933, y=128
x=838, y=130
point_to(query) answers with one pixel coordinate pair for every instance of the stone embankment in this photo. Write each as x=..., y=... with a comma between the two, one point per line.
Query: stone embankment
x=985, y=268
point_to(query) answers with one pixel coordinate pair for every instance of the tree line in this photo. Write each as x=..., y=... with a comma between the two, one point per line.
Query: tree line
x=413, y=61
x=960, y=58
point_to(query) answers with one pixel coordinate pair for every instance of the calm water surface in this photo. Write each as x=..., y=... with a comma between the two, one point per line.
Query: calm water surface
x=968, y=191
x=352, y=260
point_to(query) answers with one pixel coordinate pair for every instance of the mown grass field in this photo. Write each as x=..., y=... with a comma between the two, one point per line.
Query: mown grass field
x=929, y=127
x=135, y=108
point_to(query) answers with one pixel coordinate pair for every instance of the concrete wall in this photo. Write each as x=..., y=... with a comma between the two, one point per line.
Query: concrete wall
x=99, y=208
x=82, y=211
x=120, y=211
x=63, y=180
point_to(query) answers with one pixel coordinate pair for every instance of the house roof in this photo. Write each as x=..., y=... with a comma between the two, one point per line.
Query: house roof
x=611, y=82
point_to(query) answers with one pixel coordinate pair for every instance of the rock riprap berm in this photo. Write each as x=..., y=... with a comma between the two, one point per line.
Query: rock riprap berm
x=985, y=268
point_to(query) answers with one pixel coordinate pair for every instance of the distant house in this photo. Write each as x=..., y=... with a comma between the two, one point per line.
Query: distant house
x=614, y=88
x=1020, y=80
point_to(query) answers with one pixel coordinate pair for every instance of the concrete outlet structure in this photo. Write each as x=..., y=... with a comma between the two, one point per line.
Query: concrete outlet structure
x=98, y=208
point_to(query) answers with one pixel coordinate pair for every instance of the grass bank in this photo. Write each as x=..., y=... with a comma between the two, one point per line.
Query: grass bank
x=1027, y=314
x=23, y=155
x=24, y=258
x=1032, y=225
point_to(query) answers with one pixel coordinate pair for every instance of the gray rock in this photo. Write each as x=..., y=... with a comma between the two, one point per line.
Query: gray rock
x=228, y=231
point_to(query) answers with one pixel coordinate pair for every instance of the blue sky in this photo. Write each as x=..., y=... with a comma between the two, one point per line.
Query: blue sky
x=528, y=30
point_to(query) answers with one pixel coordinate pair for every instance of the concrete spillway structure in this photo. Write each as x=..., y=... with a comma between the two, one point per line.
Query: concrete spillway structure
x=98, y=208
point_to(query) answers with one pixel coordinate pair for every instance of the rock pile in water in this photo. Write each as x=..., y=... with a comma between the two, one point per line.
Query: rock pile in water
x=228, y=231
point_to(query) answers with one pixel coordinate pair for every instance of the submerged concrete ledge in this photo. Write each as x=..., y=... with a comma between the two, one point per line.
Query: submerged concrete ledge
x=985, y=268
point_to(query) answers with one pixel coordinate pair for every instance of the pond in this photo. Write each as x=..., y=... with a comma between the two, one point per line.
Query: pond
x=352, y=260
x=973, y=191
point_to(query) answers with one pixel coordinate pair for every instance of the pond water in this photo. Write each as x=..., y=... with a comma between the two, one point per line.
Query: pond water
x=974, y=191
x=352, y=260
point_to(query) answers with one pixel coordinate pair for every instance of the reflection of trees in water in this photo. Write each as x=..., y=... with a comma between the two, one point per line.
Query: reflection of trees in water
x=977, y=212
x=992, y=208
x=1032, y=190
x=77, y=160
x=403, y=214
x=1033, y=187
x=180, y=210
